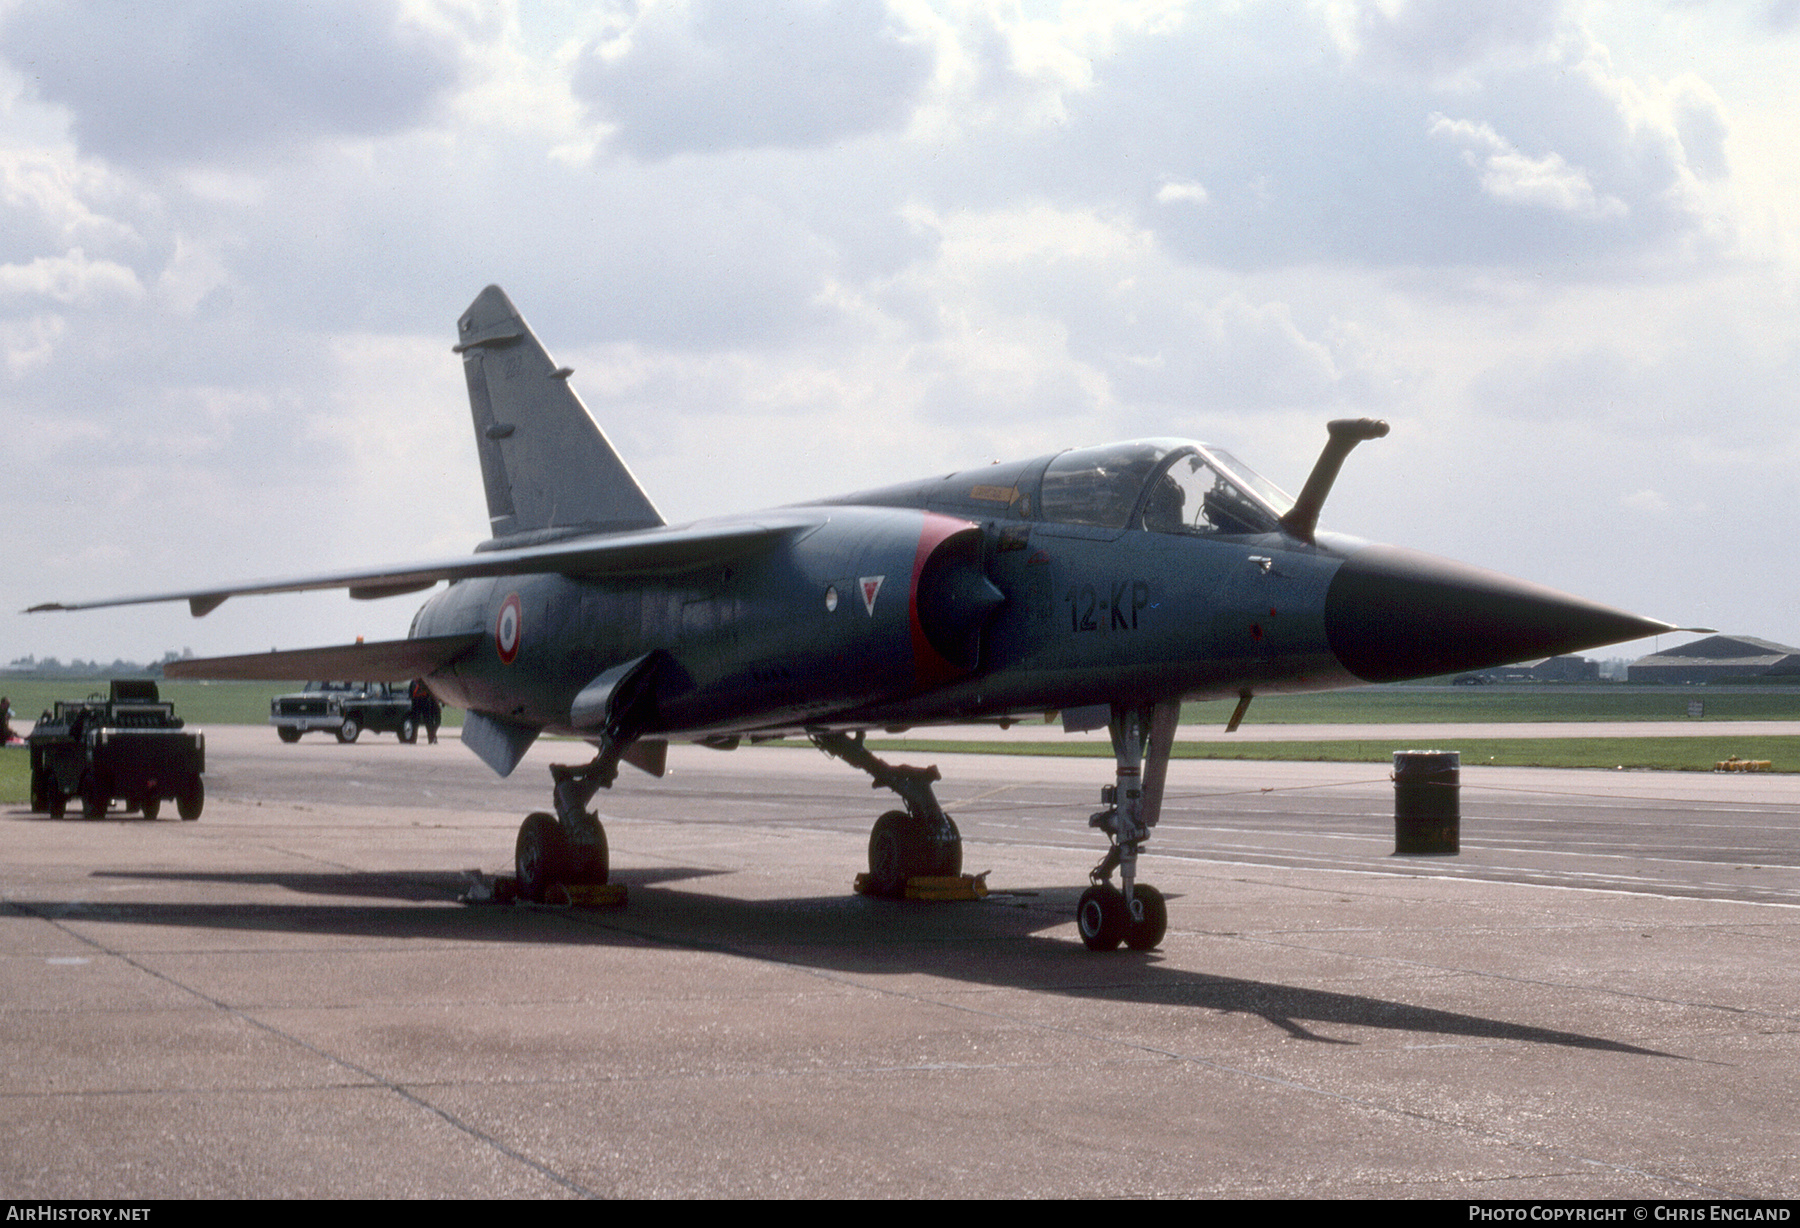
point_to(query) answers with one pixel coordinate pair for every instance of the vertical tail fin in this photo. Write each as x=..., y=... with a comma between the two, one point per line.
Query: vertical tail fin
x=549, y=470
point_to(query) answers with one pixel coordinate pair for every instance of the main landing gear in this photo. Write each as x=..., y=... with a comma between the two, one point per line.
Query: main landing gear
x=1133, y=913
x=570, y=846
x=920, y=841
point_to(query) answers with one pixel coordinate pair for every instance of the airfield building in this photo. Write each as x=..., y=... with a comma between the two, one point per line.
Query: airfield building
x=1565, y=669
x=1544, y=669
x=1719, y=658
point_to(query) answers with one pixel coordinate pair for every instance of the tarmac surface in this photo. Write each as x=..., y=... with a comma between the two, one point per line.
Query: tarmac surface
x=1599, y=998
x=1404, y=736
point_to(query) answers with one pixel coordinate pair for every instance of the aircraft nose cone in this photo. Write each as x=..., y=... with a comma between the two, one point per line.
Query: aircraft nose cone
x=1393, y=614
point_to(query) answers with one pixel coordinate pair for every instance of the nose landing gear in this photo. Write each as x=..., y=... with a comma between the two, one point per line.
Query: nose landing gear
x=1133, y=913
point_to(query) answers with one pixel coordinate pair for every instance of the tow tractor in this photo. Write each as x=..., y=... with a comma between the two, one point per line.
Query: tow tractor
x=129, y=746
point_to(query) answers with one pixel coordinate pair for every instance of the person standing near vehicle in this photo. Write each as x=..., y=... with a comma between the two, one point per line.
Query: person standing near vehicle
x=427, y=713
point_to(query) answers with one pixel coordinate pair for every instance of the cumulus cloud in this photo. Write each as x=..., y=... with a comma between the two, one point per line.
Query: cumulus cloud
x=714, y=75
x=190, y=80
x=1507, y=174
x=29, y=341
x=68, y=279
x=1330, y=156
x=1699, y=121
x=52, y=201
x=1187, y=190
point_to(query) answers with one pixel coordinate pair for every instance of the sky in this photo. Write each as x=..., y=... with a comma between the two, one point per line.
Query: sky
x=795, y=248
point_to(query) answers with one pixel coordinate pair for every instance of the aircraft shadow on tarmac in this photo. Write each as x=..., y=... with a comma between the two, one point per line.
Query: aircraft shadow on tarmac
x=996, y=942
x=422, y=886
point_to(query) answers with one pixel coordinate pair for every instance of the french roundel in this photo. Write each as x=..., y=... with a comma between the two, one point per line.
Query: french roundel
x=507, y=629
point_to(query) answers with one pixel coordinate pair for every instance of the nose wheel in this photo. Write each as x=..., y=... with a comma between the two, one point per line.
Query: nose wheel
x=1106, y=920
x=1101, y=917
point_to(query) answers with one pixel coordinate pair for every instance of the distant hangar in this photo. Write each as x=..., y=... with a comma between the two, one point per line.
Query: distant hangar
x=1719, y=658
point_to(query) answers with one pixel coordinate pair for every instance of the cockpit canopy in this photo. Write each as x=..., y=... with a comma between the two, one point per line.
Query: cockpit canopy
x=1163, y=485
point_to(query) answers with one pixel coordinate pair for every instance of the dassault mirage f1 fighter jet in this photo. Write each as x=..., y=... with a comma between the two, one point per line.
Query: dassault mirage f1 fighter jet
x=1108, y=584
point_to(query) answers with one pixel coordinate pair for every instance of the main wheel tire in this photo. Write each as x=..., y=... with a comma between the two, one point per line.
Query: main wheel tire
x=540, y=856
x=54, y=800
x=349, y=731
x=1144, y=931
x=897, y=851
x=286, y=734
x=408, y=731
x=152, y=807
x=1101, y=917
x=39, y=801
x=590, y=863
x=944, y=851
x=94, y=798
x=191, y=800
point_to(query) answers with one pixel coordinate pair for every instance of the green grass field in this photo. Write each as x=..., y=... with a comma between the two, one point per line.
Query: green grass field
x=1695, y=754
x=15, y=776
x=1485, y=704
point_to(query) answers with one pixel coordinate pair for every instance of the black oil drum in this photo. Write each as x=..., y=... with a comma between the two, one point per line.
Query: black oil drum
x=1427, y=803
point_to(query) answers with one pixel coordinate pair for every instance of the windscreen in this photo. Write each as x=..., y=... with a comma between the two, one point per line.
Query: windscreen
x=1194, y=495
x=1278, y=499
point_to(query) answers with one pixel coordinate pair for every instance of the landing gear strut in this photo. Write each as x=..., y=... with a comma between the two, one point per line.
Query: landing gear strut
x=919, y=841
x=570, y=846
x=1133, y=913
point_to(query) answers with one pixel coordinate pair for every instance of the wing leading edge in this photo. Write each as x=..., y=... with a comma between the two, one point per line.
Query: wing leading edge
x=386, y=659
x=644, y=552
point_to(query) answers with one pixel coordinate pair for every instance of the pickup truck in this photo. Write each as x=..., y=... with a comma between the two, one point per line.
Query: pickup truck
x=345, y=709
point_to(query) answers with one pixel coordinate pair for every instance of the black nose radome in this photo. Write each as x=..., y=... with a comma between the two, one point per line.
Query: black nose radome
x=1393, y=614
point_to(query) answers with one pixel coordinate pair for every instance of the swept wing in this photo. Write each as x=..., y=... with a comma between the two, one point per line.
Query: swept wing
x=384, y=659
x=644, y=552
